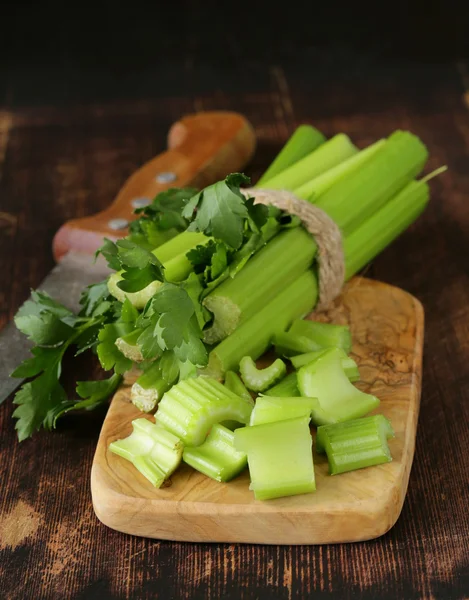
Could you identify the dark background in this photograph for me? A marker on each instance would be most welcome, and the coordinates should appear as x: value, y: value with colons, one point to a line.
x: 87, y: 94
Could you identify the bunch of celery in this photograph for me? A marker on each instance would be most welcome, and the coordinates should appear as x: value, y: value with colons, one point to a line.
x: 206, y: 278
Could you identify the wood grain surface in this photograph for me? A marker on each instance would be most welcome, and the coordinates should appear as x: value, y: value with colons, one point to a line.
x: 73, y: 126
x: 387, y: 332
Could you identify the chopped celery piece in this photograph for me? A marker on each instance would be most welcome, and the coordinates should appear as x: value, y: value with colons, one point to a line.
x: 280, y: 457
x: 155, y: 452
x: 288, y: 344
x: 253, y: 337
x: 339, y: 400
x: 190, y: 408
x: 348, y: 364
x: 379, y: 230
x: 328, y: 155
x: 354, y: 199
x: 326, y: 335
x: 127, y: 344
x: 280, y: 262
x: 233, y: 382
x: 259, y: 380
x: 216, y: 457
x: 304, y: 140
x: 149, y: 388
x: 355, y: 444
x: 268, y: 409
x: 320, y: 184
x: 287, y: 388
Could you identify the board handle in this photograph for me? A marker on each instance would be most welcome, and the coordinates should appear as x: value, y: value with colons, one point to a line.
x: 202, y: 148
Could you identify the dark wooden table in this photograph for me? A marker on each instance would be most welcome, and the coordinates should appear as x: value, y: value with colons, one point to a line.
x: 70, y: 134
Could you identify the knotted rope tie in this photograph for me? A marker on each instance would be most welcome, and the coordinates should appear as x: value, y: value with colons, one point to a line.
x: 325, y: 232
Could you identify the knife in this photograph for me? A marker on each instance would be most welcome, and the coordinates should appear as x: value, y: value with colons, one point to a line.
x: 202, y: 148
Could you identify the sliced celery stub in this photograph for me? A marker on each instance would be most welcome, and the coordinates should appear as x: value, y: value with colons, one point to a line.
x: 233, y: 383
x: 304, y: 140
x: 155, y: 452
x: 280, y: 457
x: 268, y: 272
x: 325, y: 335
x: 339, y: 400
x: 287, y: 388
x: 327, y: 156
x: 254, y: 336
x: 348, y: 364
x: 259, y: 380
x: 216, y: 457
x: 268, y: 409
x: 149, y: 388
x: 190, y: 408
x: 355, y: 444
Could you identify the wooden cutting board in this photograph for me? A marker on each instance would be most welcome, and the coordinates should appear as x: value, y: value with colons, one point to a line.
x: 387, y: 330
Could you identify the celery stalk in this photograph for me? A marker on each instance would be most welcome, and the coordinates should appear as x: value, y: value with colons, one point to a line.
x: 355, y: 444
x: 326, y: 335
x: 155, y: 452
x: 259, y: 380
x: 253, y: 337
x: 190, y: 408
x: 177, y: 266
x: 379, y: 230
x: 269, y: 271
x: 127, y: 344
x: 348, y: 364
x: 312, y: 189
x: 216, y: 457
x: 280, y: 457
x: 339, y: 400
x: 269, y: 409
x: 304, y: 140
x: 234, y: 384
x: 330, y: 154
x: 354, y: 199
x: 289, y: 344
x: 287, y: 388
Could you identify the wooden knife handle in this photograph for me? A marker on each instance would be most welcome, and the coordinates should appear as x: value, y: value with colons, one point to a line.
x: 202, y: 148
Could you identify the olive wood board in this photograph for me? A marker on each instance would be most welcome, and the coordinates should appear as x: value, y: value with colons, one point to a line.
x: 387, y: 327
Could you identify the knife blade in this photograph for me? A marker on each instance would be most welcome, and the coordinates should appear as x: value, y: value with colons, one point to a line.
x: 203, y: 148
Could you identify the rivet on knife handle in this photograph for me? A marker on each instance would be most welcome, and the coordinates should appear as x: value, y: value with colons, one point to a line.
x: 201, y: 149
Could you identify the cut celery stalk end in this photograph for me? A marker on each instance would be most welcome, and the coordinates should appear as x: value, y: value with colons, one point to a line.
x: 339, y: 400
x: 325, y: 335
x: 280, y: 457
x: 279, y: 263
x: 355, y: 444
x: 287, y: 344
x: 155, y: 452
x: 149, y: 388
x: 327, y: 156
x: 311, y: 190
x: 234, y: 384
x: 304, y: 140
x: 138, y: 299
x: 259, y: 380
x: 269, y: 409
x: 190, y: 408
x: 348, y: 364
x: 386, y: 224
x: 217, y: 457
x: 254, y: 336
x: 354, y: 199
x: 127, y: 344
x: 287, y: 388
